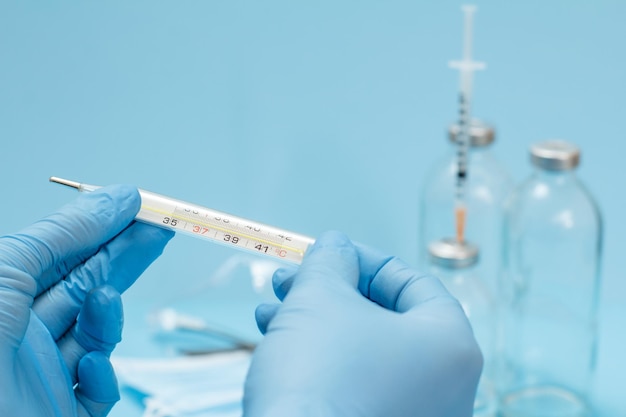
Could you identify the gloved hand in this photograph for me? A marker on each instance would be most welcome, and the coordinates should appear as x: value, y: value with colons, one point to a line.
x: 58, y: 319
x: 361, y: 334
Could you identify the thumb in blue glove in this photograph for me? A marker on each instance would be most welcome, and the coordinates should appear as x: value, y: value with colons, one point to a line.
x: 55, y: 332
x: 361, y: 334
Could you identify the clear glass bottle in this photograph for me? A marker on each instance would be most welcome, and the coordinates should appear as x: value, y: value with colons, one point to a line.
x: 553, y: 240
x: 487, y: 186
x: 455, y: 264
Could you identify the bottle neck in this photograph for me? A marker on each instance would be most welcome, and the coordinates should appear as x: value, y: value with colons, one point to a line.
x: 556, y: 177
x: 477, y: 153
x: 446, y: 271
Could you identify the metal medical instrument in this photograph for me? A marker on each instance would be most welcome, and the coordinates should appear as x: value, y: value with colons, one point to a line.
x: 170, y: 321
x: 466, y: 68
x: 213, y: 225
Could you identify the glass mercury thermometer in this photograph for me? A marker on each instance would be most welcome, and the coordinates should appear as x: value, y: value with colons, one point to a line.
x: 213, y: 225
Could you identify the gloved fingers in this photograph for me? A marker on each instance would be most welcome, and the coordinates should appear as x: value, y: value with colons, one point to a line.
x: 97, y: 390
x: 97, y: 329
x: 282, y: 280
x: 393, y: 284
x: 370, y: 262
x: 119, y: 263
x: 264, y: 314
x: 53, y: 275
x: 74, y: 232
x: 17, y: 290
x: 331, y: 263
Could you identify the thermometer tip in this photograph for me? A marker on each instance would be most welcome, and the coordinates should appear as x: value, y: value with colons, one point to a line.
x: 65, y: 182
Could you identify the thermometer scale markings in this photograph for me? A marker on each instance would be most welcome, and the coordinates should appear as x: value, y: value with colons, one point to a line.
x: 189, y: 219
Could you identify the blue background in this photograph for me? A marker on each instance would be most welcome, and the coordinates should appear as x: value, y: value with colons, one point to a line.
x: 307, y: 115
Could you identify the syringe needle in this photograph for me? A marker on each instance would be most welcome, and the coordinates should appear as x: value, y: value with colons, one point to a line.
x: 466, y: 68
x: 65, y: 182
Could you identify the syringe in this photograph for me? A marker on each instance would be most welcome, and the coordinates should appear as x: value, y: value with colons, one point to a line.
x: 213, y: 225
x: 466, y: 68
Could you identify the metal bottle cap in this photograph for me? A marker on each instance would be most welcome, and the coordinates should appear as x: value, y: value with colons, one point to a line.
x: 555, y: 155
x: 452, y: 254
x: 481, y: 133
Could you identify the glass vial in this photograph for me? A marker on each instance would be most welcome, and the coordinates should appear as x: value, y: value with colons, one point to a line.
x: 553, y: 239
x: 486, y: 187
x: 455, y: 264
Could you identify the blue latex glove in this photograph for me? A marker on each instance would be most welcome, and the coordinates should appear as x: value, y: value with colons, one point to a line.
x: 361, y: 334
x: 53, y: 360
